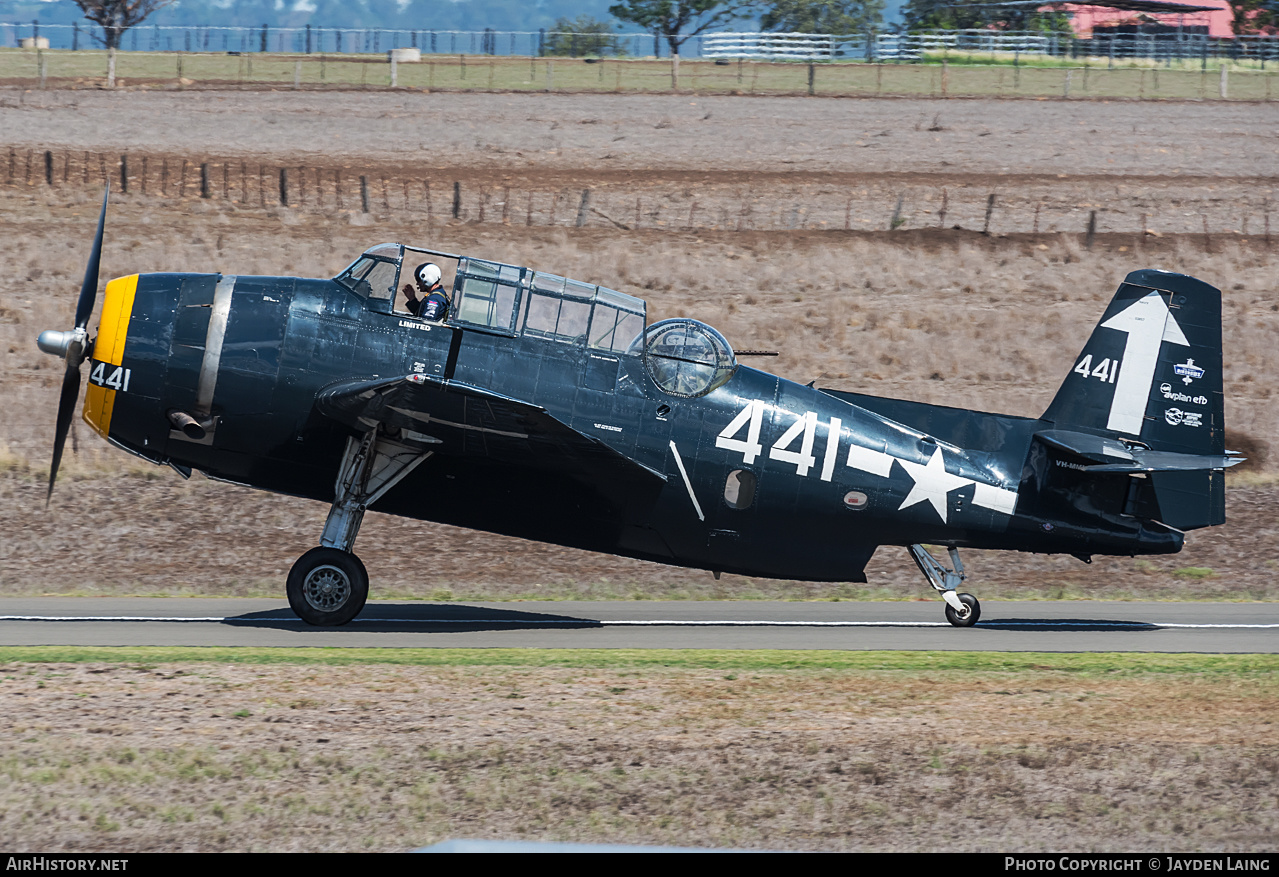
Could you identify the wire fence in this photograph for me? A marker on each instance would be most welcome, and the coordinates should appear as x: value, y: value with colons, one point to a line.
x: 1168, y: 45
x: 315, y: 40
x: 956, y: 77
x: 1155, y: 43
x: 390, y: 192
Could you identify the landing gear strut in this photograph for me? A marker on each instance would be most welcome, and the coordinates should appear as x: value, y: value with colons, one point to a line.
x: 962, y: 610
x: 328, y: 586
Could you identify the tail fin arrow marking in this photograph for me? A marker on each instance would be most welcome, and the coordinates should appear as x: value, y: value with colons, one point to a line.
x: 1148, y: 323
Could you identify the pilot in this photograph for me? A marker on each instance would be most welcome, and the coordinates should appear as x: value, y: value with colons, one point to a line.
x: 434, y: 304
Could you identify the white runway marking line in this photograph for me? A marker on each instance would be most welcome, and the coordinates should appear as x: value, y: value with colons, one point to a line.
x: 595, y: 622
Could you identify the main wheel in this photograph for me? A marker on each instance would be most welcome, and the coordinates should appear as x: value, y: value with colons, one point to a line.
x: 327, y: 587
x: 974, y: 612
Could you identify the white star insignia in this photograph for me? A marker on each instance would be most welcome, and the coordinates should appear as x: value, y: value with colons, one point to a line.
x: 932, y: 483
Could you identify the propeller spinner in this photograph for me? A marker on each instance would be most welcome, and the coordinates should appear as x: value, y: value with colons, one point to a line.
x: 74, y: 346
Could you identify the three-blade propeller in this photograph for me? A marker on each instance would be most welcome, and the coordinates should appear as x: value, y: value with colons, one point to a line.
x: 74, y: 346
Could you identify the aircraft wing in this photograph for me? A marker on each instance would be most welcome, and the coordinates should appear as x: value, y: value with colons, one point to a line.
x: 449, y: 417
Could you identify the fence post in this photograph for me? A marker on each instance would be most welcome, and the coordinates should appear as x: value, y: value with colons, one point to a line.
x: 394, y: 72
x: 457, y: 199
x: 284, y: 187
x: 364, y: 193
x: 1066, y: 87
x: 124, y: 174
x: 990, y: 208
x: 263, y: 49
x: 583, y: 208
x: 945, y: 78
x: 811, y: 74
x: 1092, y: 229
x: 204, y: 179
x: 111, y: 67
x: 41, y: 66
x: 48, y: 167
x: 1224, y: 89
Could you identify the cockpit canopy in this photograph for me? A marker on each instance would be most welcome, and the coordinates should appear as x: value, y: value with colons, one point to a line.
x: 684, y: 357
x: 507, y: 299
x: 374, y: 274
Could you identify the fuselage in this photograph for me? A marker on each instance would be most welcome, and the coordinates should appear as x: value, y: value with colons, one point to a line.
x: 763, y: 476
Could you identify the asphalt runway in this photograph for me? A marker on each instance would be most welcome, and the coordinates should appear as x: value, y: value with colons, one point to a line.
x: 1004, y: 626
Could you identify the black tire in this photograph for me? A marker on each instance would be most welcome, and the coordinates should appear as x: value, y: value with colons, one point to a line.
x: 327, y: 587
x: 974, y: 612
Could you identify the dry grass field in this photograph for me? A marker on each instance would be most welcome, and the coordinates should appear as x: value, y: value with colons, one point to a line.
x: 1093, y: 754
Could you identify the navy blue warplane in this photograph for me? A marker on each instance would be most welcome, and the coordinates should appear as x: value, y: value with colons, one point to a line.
x: 550, y: 409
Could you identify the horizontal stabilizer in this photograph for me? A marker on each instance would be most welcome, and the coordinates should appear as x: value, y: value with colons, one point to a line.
x: 1097, y: 453
x: 1183, y: 491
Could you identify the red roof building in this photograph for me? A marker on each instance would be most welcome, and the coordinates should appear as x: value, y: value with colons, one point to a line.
x: 1217, y: 20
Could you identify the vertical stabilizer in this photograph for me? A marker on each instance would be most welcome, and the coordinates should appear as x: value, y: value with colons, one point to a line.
x: 1151, y: 372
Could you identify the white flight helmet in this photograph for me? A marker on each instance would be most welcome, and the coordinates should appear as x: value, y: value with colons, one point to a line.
x: 428, y: 274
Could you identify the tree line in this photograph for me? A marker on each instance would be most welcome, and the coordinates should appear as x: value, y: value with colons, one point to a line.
x: 672, y: 22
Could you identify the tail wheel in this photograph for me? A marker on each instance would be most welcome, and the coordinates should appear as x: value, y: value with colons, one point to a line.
x: 327, y: 587
x: 968, y: 620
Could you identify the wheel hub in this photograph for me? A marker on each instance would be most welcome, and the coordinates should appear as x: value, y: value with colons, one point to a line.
x: 326, y: 588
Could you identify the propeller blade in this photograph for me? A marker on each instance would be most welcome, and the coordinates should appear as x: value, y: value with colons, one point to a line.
x: 89, y: 289
x: 73, y: 344
x: 66, y: 409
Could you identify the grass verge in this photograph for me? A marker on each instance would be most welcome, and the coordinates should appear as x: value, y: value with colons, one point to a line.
x: 1112, y: 664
